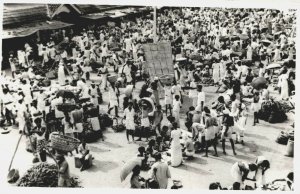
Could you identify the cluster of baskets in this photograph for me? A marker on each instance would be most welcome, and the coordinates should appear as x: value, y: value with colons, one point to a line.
x: 64, y: 143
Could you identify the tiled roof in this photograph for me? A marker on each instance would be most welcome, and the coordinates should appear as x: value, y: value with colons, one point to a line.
x: 52, y: 8
x: 16, y: 14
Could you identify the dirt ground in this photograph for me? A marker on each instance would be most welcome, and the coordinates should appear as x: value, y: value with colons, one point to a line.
x: 111, y: 154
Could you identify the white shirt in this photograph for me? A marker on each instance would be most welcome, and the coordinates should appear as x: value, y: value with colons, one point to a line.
x: 201, y: 97
x: 193, y: 92
x: 176, y: 105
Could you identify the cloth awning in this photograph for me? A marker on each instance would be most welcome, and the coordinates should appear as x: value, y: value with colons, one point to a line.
x: 95, y: 16
x: 129, y: 10
x: 115, y: 13
x: 28, y: 29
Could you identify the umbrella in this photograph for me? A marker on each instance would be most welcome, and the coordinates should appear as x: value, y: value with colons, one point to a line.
x: 180, y: 59
x: 147, y: 102
x: 116, y: 49
x: 234, y: 38
x: 223, y: 38
x: 65, y: 94
x: 273, y: 66
x: 266, y: 42
x: 259, y: 83
x: 264, y: 29
x: 243, y: 36
x: 237, y: 53
x: 128, y: 166
x: 178, y: 40
x: 260, y: 13
x: 66, y: 107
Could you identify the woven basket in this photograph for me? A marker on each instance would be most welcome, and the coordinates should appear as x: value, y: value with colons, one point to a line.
x: 66, y: 107
x: 64, y: 143
x: 166, y: 79
x: 112, y: 78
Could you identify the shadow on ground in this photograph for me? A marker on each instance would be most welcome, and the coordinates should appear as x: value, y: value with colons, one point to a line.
x: 103, y: 166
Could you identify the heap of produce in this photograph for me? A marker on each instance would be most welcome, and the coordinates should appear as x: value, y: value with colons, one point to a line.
x: 43, y: 175
x: 271, y: 111
x: 286, y: 106
x: 89, y: 134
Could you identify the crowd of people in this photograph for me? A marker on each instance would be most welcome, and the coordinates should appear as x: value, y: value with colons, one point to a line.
x: 228, y: 47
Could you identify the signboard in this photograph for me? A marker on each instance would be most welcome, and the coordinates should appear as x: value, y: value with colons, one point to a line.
x: 158, y: 59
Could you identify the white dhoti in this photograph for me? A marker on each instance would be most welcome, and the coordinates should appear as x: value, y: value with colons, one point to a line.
x: 260, y: 178
x: 78, y: 128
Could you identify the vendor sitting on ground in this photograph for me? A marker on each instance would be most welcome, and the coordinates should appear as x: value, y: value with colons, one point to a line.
x: 144, y: 156
x: 136, y: 181
x: 84, y: 154
x: 151, y: 148
x: 165, y: 134
x: 160, y: 145
x: 189, y: 149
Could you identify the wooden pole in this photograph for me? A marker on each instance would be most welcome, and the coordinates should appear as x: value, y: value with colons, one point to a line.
x: 154, y: 26
x: 13, y: 157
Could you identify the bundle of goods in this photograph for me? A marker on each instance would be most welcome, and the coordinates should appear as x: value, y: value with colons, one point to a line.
x: 118, y: 127
x: 89, y: 134
x: 271, y: 111
x: 177, y: 184
x: 112, y: 78
x: 146, y: 133
x: 286, y: 106
x: 63, y: 143
x: 105, y: 121
x: 66, y: 107
x: 276, y: 187
x: 95, y: 65
x: 52, y: 74
x: 43, y: 175
x: 196, y: 56
x: 166, y: 79
x: 92, y: 111
x: 67, y: 94
x: 207, y: 81
x: 224, y: 38
x: 176, y: 50
x: 39, y: 71
x: 84, y: 100
x: 284, y: 137
x: 44, y: 83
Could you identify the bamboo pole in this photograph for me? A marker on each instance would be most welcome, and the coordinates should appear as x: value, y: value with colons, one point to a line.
x: 154, y: 25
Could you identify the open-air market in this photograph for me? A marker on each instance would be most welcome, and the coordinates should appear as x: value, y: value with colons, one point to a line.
x: 140, y: 97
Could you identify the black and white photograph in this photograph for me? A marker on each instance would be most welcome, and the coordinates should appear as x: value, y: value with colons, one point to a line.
x: 147, y: 97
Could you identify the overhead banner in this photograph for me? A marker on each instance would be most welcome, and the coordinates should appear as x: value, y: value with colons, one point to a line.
x: 158, y: 59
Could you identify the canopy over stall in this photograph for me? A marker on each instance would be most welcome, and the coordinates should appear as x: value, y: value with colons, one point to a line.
x: 21, y: 20
x: 31, y: 28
